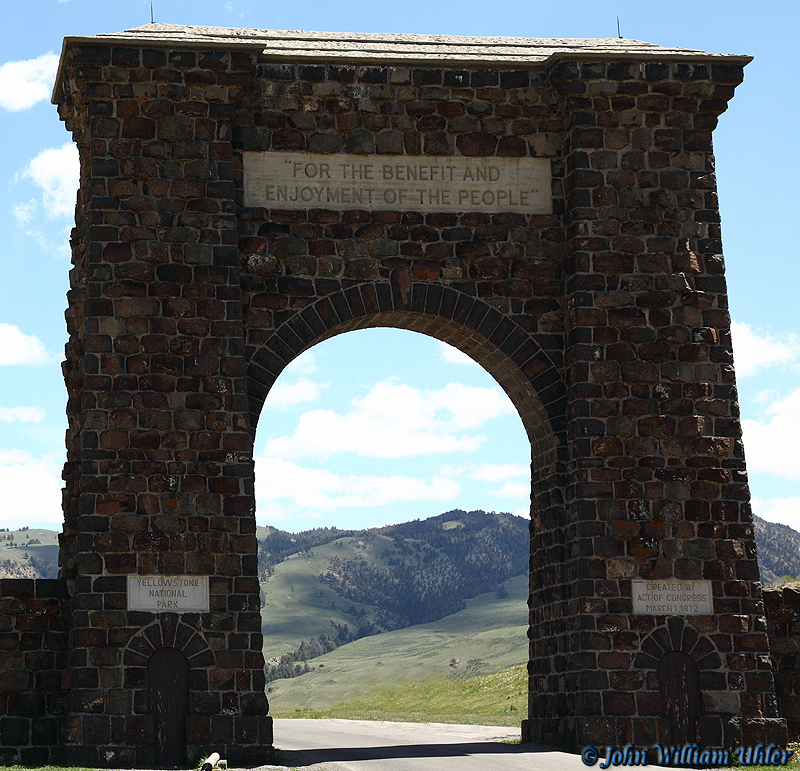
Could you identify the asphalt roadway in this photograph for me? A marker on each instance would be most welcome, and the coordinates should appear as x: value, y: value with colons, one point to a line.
x: 361, y: 745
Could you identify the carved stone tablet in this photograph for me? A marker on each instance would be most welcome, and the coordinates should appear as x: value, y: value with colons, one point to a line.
x: 397, y: 183
x: 671, y: 597
x: 168, y: 594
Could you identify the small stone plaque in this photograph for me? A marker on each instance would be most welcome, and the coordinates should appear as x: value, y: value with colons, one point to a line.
x: 168, y: 594
x: 671, y: 597
x: 283, y: 180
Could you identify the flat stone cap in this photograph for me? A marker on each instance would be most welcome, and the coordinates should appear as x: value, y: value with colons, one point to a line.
x: 400, y: 49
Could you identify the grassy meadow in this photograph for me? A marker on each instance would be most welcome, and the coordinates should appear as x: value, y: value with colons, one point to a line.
x: 466, y: 667
x: 41, y: 556
x: 499, y: 698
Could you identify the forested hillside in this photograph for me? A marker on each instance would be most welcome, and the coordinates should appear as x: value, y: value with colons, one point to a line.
x: 341, y: 586
x: 778, y: 551
x: 434, y: 565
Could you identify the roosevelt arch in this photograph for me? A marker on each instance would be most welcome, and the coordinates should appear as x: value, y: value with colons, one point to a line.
x: 186, y: 301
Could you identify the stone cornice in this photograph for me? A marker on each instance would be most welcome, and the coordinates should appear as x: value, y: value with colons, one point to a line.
x: 397, y: 49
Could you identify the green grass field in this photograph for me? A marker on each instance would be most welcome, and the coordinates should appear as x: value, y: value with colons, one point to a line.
x: 499, y: 698
x: 46, y: 551
x: 488, y: 636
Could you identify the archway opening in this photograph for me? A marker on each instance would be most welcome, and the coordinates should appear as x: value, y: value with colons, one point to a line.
x: 366, y: 429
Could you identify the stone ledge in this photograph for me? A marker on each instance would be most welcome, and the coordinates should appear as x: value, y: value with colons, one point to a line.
x: 404, y: 47
x: 396, y: 49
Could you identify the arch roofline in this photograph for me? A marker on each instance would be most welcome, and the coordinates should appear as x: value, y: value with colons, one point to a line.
x: 388, y: 49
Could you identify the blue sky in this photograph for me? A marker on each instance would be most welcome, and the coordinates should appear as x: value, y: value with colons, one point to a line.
x: 405, y: 427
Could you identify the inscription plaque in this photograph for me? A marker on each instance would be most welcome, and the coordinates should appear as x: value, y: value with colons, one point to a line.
x: 173, y: 594
x: 283, y: 180
x: 671, y: 597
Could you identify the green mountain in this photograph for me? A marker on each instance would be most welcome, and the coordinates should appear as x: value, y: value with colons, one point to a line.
x: 488, y: 635
x: 778, y: 551
x: 333, y: 589
x: 28, y: 553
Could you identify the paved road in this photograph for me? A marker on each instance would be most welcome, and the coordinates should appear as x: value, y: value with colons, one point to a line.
x: 361, y: 745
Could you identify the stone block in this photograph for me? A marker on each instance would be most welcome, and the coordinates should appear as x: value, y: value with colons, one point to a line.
x: 721, y: 703
x: 14, y: 731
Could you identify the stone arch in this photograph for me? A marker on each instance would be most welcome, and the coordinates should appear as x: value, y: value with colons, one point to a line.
x: 614, y: 344
x: 514, y: 357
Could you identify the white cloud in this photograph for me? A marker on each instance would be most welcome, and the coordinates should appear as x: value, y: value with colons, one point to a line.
x: 471, y: 406
x: 19, y: 348
x: 23, y: 212
x: 21, y: 414
x: 52, y: 242
x: 771, y: 444
x: 282, y: 482
x: 24, y: 83
x: 284, y: 395
x: 395, y: 420
x: 784, y: 511
x: 754, y: 349
x: 766, y: 396
x: 31, y: 488
x: 243, y: 11
x: 56, y: 172
x: 493, y: 472
x: 453, y: 356
x: 514, y: 490
x: 304, y: 364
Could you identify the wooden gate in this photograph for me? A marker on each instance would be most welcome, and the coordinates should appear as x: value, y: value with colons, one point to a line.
x: 168, y: 701
x: 679, y: 682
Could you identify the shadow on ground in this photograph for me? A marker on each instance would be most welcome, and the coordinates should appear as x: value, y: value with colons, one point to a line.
x: 302, y: 758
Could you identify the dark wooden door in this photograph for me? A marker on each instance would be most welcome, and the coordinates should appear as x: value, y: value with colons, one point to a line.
x: 679, y: 682
x: 168, y: 699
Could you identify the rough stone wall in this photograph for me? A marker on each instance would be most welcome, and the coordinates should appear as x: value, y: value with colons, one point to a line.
x: 606, y: 322
x: 657, y: 481
x: 159, y: 468
x: 783, y: 625
x: 34, y: 626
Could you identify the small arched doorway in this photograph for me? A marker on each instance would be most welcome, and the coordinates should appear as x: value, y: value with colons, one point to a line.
x: 168, y: 703
x: 679, y: 684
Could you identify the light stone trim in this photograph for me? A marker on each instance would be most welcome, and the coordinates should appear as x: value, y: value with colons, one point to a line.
x: 368, y: 45
x: 386, y: 49
x: 342, y: 182
x: 168, y: 594
x: 672, y: 597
